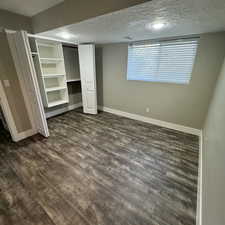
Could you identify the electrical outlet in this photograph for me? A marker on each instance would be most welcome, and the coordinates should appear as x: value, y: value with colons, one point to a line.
x: 147, y: 110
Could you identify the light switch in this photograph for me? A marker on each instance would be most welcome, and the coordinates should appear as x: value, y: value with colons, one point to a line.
x: 6, y: 83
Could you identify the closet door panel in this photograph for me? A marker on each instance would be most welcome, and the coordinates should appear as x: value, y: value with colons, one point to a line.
x: 88, y: 78
x: 26, y: 72
x: 91, y: 100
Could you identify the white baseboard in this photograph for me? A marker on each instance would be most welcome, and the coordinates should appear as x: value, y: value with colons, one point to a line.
x: 63, y: 110
x: 161, y: 123
x: 200, y: 183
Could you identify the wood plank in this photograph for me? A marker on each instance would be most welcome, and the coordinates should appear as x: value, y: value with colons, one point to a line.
x: 16, y: 203
x: 102, y: 170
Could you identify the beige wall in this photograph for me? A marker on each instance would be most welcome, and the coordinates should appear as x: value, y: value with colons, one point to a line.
x: 13, y: 93
x: 71, y: 11
x: 181, y: 104
x: 214, y: 157
x: 14, y: 21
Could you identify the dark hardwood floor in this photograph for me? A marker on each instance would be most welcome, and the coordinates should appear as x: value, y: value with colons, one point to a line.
x: 99, y: 170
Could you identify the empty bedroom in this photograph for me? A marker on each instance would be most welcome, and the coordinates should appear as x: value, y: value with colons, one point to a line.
x: 112, y: 112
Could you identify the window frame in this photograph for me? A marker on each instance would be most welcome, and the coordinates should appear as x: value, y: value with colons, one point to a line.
x: 161, y: 43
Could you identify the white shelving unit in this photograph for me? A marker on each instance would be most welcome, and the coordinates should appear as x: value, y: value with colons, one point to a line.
x: 52, y: 75
x: 58, y: 73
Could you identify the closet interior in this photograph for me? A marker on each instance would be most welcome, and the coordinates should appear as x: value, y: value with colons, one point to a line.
x: 58, y: 73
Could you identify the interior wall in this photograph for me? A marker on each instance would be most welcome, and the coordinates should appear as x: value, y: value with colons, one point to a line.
x: 180, y: 104
x: 70, y: 11
x: 14, y: 21
x: 13, y: 93
x: 214, y: 157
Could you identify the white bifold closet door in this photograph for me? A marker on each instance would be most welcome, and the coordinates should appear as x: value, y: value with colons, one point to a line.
x: 20, y: 49
x: 88, y: 77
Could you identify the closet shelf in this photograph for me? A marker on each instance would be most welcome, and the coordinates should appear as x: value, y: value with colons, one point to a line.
x: 53, y: 75
x: 50, y: 60
x: 55, y: 103
x: 46, y: 45
x: 73, y: 80
x: 55, y: 89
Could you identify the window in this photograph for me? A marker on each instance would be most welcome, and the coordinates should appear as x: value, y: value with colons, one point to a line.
x: 167, y: 61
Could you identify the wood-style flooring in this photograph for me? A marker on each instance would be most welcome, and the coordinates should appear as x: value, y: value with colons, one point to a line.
x: 99, y: 170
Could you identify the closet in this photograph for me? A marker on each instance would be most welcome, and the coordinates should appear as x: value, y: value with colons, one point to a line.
x: 54, y: 77
x: 58, y: 69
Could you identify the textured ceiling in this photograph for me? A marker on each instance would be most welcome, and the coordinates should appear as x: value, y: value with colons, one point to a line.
x: 27, y: 7
x: 182, y: 17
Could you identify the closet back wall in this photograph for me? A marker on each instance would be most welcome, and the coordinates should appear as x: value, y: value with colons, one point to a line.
x: 180, y: 104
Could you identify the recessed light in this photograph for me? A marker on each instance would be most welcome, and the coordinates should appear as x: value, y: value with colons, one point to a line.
x: 65, y: 35
x: 156, y: 25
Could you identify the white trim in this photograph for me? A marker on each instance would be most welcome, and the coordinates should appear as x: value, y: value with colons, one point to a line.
x: 161, y: 123
x: 63, y: 110
x: 200, y: 182
x: 50, y: 39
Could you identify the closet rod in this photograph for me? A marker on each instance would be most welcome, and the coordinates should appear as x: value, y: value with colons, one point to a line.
x: 50, y: 39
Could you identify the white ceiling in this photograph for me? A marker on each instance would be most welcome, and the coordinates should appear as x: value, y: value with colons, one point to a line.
x: 27, y: 7
x: 182, y: 17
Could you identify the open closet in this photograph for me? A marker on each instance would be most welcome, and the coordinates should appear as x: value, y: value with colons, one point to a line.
x: 58, y: 72
x: 55, y: 77
x: 66, y: 75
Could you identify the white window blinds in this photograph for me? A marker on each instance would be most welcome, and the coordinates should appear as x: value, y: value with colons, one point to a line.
x: 168, y: 61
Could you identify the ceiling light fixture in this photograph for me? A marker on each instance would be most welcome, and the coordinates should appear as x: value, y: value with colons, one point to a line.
x: 66, y: 35
x: 158, y: 25
x: 155, y: 25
